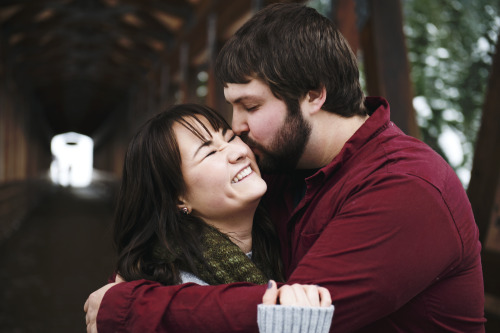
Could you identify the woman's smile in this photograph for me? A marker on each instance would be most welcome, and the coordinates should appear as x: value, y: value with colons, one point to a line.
x: 242, y: 174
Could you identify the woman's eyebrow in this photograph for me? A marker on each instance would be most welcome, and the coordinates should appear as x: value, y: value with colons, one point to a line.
x: 207, y: 143
x: 203, y: 145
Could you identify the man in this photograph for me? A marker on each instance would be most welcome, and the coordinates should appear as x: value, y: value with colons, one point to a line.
x: 375, y: 216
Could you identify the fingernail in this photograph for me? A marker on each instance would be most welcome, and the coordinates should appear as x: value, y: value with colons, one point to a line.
x: 269, y: 284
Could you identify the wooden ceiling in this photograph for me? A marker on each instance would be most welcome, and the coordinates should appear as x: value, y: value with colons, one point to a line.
x: 78, y: 61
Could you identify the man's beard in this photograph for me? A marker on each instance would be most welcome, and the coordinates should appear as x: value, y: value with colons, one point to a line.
x: 286, y: 147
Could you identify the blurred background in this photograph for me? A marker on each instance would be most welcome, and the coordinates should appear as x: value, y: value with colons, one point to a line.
x: 77, y: 78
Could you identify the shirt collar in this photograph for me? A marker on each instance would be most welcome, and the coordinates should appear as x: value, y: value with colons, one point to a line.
x: 379, y: 111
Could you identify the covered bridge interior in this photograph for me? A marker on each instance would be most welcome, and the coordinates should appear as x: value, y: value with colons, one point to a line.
x: 102, y: 67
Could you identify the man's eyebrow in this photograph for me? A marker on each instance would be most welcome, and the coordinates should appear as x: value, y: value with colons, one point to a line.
x: 242, y: 99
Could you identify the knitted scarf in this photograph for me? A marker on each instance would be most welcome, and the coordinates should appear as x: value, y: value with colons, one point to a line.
x: 225, y: 260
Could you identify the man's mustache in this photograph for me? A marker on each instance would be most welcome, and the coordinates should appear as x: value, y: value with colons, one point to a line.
x: 251, y: 143
x: 253, y: 146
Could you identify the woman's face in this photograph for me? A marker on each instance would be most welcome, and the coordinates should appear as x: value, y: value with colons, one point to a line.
x: 221, y: 175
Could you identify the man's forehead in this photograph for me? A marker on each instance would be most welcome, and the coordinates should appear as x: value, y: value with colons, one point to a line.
x: 239, y: 92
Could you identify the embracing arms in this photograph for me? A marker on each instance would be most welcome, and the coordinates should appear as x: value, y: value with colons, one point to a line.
x: 373, y: 258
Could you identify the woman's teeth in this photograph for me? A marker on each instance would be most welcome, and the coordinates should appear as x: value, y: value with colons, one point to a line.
x: 243, y: 173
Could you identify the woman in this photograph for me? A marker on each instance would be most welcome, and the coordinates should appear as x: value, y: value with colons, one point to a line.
x: 188, y: 210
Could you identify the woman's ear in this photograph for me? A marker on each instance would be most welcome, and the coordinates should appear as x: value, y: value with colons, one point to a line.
x: 183, y: 206
x: 315, y: 99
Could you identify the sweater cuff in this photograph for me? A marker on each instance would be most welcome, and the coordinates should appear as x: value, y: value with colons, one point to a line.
x: 279, y: 318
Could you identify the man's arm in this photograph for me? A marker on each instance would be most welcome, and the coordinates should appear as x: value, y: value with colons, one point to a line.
x: 309, y: 310
x: 146, y: 306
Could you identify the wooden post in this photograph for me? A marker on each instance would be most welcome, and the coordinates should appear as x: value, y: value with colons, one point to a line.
x: 485, y: 174
x: 164, y: 86
x: 183, y: 70
x: 386, y: 62
x: 211, y: 49
x: 484, y: 187
x: 344, y: 16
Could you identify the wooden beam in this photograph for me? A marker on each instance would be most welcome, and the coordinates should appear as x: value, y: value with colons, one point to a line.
x: 184, y: 72
x: 485, y: 175
x: 386, y: 63
x: 344, y: 16
x: 196, y: 35
x: 211, y: 99
x: 491, y: 272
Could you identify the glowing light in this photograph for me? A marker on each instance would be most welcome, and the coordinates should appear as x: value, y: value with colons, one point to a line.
x: 73, y: 160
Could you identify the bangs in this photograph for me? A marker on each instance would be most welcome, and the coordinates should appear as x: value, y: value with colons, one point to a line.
x: 202, y: 135
x: 201, y: 131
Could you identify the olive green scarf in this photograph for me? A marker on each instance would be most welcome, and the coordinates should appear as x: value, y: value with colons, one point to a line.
x: 225, y: 259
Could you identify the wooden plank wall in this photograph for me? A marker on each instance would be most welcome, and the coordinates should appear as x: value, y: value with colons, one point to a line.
x: 24, y: 160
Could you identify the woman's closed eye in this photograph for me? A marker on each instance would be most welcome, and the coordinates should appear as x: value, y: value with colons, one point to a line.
x: 213, y: 151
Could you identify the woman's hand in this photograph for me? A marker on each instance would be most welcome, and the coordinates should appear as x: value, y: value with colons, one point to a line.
x: 297, y: 294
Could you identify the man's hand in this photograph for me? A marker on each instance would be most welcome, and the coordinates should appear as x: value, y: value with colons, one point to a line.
x: 93, y: 303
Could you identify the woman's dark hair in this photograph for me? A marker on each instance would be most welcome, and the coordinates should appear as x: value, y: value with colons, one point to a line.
x: 294, y: 49
x: 147, y: 214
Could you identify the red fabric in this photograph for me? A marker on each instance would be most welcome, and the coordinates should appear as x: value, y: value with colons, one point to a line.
x: 386, y: 227
x: 145, y: 306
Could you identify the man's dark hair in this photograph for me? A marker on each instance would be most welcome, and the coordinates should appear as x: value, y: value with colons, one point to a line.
x: 294, y: 49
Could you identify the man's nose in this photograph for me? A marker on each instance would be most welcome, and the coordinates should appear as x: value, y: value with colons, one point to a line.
x: 239, y: 122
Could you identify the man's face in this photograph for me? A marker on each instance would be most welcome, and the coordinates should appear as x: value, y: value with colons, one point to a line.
x: 264, y: 122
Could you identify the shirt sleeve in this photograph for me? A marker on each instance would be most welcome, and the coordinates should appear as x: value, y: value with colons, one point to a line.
x: 146, y: 306
x: 297, y: 319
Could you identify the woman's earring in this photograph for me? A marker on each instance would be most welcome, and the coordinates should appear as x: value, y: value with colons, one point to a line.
x: 185, y: 211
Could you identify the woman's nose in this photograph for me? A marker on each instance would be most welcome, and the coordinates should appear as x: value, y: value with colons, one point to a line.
x: 236, y: 152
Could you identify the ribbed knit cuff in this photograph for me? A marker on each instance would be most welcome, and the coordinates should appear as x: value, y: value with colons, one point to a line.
x: 294, y: 319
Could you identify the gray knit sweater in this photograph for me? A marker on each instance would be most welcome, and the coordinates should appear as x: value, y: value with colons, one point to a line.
x: 294, y: 319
